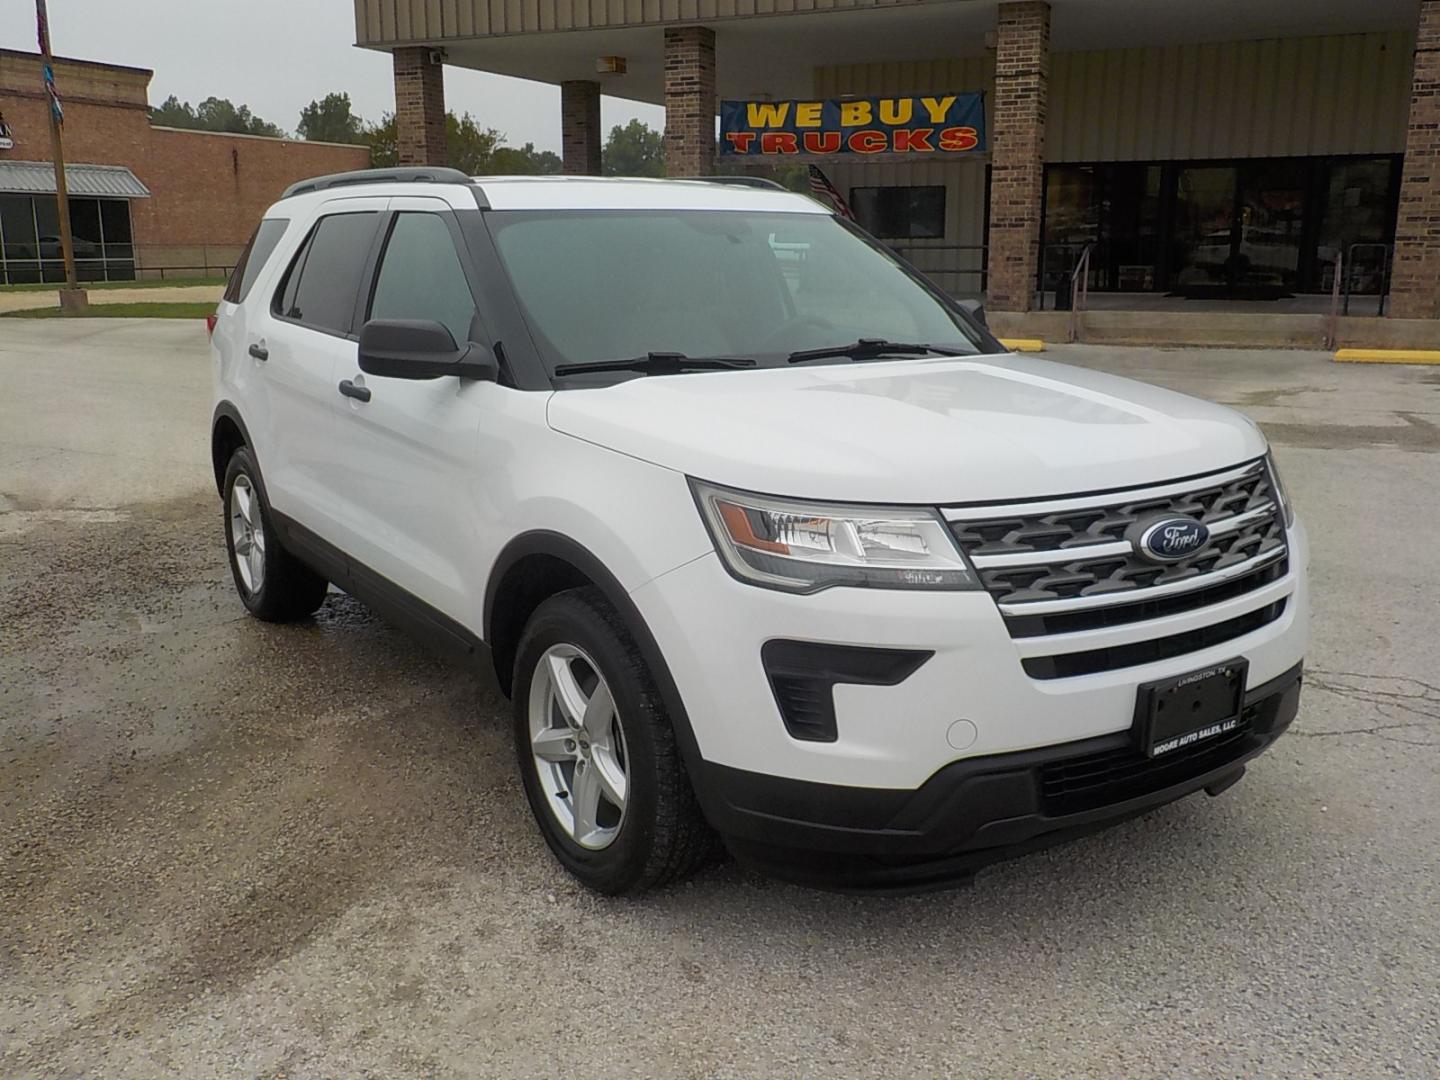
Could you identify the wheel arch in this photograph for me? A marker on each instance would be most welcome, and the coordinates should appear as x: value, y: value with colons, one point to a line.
x: 227, y: 434
x: 539, y: 564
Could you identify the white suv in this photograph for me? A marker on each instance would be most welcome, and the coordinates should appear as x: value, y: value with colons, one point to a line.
x: 764, y: 535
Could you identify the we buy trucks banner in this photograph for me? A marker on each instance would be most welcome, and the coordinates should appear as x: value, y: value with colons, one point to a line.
x: 938, y: 125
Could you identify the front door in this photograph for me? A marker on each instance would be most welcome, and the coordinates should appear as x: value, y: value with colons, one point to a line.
x: 406, y: 479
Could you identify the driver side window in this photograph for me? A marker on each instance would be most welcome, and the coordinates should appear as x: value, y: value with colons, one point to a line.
x: 421, y: 276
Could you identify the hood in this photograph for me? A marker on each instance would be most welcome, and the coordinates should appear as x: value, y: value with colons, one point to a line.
x: 940, y: 430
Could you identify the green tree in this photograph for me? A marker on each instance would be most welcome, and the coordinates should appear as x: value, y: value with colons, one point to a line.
x: 384, y: 148
x: 525, y: 161
x: 331, y: 119
x: 469, y: 146
x: 636, y: 149
x: 213, y: 114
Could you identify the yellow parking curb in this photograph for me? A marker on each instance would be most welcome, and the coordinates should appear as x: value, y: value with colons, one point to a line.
x: 1388, y: 356
x: 1031, y: 344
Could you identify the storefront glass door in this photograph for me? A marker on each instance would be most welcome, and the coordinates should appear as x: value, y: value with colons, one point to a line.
x: 1202, y: 236
x: 1272, y: 217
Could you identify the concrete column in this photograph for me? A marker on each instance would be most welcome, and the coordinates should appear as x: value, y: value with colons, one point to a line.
x: 1415, y: 284
x: 420, y: 107
x: 580, y: 126
x: 1017, y: 174
x: 690, y: 106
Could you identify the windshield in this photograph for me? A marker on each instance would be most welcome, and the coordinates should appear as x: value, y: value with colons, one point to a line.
x: 599, y: 285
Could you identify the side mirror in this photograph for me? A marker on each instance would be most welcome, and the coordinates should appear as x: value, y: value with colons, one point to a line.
x: 420, y: 349
x: 976, y: 308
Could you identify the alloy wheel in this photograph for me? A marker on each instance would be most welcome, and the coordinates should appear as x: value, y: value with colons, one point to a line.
x: 247, y: 534
x: 578, y: 745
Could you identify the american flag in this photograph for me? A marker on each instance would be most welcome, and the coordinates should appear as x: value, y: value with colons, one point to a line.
x: 822, y: 188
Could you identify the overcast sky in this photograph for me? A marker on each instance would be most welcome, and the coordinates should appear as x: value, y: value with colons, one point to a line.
x: 277, y: 56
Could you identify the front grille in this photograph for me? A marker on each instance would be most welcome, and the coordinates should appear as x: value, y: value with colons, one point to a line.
x: 1134, y: 653
x: 1077, y: 551
x: 1067, y: 565
x: 1074, y: 785
x: 1099, y: 618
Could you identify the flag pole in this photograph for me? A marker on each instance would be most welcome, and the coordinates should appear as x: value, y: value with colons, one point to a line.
x: 72, y: 298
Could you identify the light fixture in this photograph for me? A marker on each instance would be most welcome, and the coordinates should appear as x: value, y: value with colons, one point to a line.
x: 610, y: 65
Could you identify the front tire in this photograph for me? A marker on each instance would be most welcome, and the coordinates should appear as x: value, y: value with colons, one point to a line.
x: 273, y: 584
x: 597, y: 752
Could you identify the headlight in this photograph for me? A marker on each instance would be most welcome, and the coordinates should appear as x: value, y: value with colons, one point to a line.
x: 1279, y: 489
x: 805, y: 547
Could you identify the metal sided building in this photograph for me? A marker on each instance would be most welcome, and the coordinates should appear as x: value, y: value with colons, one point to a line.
x: 1197, y: 148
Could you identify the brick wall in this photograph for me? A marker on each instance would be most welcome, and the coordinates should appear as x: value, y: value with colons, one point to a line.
x: 1415, y: 288
x: 207, y: 190
x: 690, y: 107
x: 1022, y: 71
x: 580, y: 126
x: 419, y: 108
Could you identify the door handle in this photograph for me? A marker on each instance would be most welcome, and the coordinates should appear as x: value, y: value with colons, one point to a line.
x: 259, y: 352
x: 350, y: 390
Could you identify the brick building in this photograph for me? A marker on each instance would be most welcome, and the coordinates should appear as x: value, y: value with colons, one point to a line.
x: 142, y: 197
x: 1204, y: 149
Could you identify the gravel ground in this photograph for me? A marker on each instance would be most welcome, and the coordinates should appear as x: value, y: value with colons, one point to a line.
x: 232, y: 849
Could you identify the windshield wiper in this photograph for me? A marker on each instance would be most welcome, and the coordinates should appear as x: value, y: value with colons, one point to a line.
x: 869, y: 349
x: 659, y: 363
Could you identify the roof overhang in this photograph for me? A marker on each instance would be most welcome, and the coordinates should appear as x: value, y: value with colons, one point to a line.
x: 776, y: 54
x: 38, y: 178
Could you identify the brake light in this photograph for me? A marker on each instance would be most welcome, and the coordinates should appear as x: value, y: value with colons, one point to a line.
x: 210, y: 321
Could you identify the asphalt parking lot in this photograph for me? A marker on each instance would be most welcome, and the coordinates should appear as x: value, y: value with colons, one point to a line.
x: 233, y: 849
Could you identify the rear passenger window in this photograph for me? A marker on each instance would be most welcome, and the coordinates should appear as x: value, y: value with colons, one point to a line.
x: 320, y: 287
x: 421, y: 277
x: 257, y: 253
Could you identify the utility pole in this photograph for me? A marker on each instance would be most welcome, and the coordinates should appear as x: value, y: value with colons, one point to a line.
x: 72, y: 298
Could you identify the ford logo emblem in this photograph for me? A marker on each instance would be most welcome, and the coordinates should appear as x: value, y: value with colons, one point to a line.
x: 1171, y: 539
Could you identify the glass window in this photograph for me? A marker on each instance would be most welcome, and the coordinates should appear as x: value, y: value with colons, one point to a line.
x: 601, y: 285
x: 115, y: 218
x: 85, y: 224
x: 421, y: 277
x: 47, y: 224
x: 253, y: 258
x: 17, y: 227
x: 1357, y: 210
x: 900, y: 213
x: 321, y: 285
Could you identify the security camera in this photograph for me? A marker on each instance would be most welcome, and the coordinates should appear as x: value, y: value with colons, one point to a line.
x: 437, y: 56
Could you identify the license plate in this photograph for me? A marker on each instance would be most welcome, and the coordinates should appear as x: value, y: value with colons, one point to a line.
x: 1176, y: 713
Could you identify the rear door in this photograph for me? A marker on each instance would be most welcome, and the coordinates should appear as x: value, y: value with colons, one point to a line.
x: 407, y: 477
x: 307, y: 333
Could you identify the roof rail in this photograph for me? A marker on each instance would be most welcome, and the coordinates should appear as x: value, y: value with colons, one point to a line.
x: 744, y: 181
x: 428, y: 175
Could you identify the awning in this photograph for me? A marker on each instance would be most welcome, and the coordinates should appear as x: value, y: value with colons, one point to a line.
x: 38, y: 178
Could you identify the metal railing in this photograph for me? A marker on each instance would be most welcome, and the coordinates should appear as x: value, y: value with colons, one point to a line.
x: 1332, y: 320
x: 1079, y: 290
x: 1353, y: 265
x: 941, y: 262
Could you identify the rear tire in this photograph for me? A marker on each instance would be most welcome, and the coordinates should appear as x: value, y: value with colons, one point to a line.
x: 273, y: 584
x: 597, y: 752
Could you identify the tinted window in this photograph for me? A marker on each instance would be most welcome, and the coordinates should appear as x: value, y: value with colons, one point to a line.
x: 252, y: 260
x: 903, y: 213
x: 602, y: 285
x: 322, y: 282
x: 421, y: 276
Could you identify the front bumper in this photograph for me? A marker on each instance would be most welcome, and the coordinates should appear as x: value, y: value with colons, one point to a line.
x: 975, y: 811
